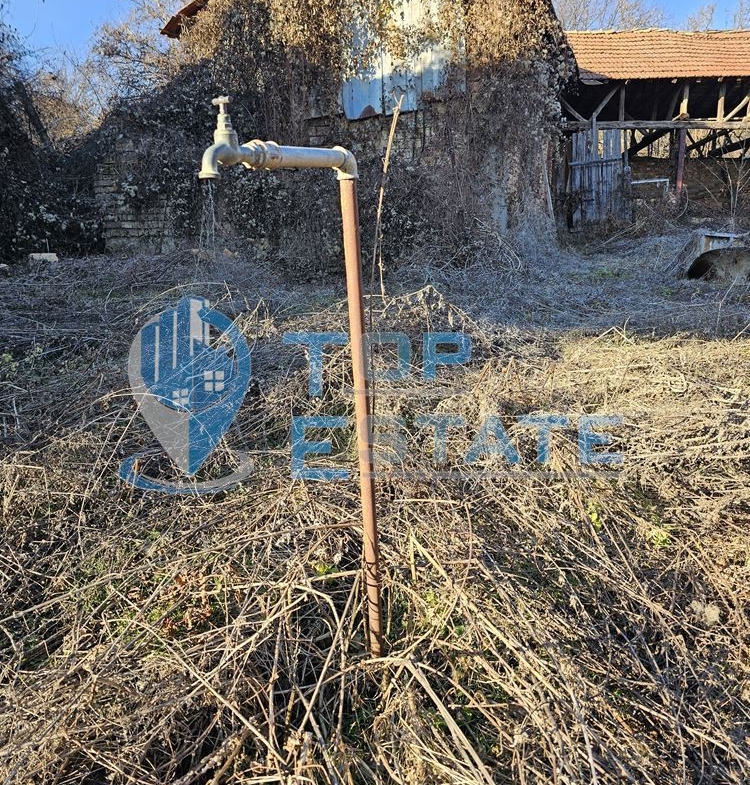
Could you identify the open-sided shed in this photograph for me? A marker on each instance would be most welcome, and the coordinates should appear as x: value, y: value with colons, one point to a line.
x: 638, y: 89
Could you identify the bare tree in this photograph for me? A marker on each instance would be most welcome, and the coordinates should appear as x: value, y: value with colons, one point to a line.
x: 741, y: 15
x: 64, y: 101
x: 703, y: 18
x: 609, y: 14
x: 130, y: 57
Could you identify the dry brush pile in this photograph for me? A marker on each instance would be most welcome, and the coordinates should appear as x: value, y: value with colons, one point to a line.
x: 545, y: 625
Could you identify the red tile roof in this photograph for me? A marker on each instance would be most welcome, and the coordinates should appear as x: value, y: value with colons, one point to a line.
x: 661, y: 54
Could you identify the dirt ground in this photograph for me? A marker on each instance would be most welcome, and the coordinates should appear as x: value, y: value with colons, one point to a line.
x: 552, y: 623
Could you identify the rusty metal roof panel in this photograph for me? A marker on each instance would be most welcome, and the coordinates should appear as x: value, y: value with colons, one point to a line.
x: 173, y: 28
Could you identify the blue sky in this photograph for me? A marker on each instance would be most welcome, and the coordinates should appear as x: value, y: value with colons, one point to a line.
x: 62, y: 24
x: 68, y: 24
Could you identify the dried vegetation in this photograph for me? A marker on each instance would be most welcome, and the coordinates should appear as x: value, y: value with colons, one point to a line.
x: 284, y: 65
x: 544, y: 625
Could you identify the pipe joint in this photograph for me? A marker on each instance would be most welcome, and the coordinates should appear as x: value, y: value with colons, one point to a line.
x: 348, y: 170
x: 261, y: 155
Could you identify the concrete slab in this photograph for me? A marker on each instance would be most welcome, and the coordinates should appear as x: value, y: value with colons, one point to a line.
x: 721, y: 256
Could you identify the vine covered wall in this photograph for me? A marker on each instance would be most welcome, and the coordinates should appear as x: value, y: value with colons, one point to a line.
x: 474, y: 156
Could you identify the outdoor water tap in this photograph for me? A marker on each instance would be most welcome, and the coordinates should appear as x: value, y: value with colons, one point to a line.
x: 226, y: 146
x: 227, y: 151
x: 269, y: 155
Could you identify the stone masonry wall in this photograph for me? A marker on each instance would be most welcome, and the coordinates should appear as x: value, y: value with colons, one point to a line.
x: 131, y: 225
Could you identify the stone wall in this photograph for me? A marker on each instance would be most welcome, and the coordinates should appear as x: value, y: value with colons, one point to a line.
x: 497, y: 187
x: 132, y: 223
x: 369, y: 136
x: 514, y: 190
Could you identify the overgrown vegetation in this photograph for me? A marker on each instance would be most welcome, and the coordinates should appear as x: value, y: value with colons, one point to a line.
x: 543, y: 623
x: 46, y: 190
x: 285, y: 64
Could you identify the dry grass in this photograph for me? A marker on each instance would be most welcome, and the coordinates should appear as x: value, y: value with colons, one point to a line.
x: 545, y: 625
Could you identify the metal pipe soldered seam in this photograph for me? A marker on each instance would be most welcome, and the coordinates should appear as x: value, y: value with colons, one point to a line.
x: 227, y: 151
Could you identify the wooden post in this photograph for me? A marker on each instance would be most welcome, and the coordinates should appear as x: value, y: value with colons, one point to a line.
x: 722, y: 99
x: 684, y: 103
x: 672, y: 105
x: 681, y: 162
x: 623, y: 134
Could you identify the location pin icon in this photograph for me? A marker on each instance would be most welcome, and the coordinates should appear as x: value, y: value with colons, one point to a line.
x: 188, y: 387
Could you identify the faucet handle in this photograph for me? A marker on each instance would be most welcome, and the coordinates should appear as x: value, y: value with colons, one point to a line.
x: 222, y: 102
x: 224, y: 133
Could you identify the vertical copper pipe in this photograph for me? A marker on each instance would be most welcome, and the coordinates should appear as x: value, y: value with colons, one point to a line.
x: 352, y: 260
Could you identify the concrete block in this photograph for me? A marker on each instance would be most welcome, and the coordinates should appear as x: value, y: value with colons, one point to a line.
x: 43, y: 257
x: 714, y: 255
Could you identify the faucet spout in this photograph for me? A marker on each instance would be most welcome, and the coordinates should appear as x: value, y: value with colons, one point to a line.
x: 221, y: 153
x: 226, y: 147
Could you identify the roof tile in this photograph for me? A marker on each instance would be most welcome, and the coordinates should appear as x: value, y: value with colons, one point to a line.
x: 661, y: 54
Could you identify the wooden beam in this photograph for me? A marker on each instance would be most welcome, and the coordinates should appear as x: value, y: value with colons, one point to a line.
x: 712, y: 137
x: 607, y: 98
x: 646, y: 141
x: 622, y: 104
x: 569, y: 108
x: 680, y: 179
x: 737, y: 109
x: 720, y: 152
x: 722, y: 99
x: 653, y: 125
x: 673, y: 104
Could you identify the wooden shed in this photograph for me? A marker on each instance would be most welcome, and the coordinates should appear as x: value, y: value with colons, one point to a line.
x: 645, y: 97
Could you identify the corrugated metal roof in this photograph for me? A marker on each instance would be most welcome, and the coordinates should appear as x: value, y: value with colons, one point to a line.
x: 661, y: 54
x: 378, y: 91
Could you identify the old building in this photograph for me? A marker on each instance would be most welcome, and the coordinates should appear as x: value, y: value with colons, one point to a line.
x: 653, y: 109
x: 479, y: 120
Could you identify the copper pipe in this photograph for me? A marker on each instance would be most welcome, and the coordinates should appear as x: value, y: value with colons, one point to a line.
x: 352, y: 260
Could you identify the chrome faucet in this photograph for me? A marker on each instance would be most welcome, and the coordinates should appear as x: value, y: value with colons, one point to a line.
x: 227, y: 150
